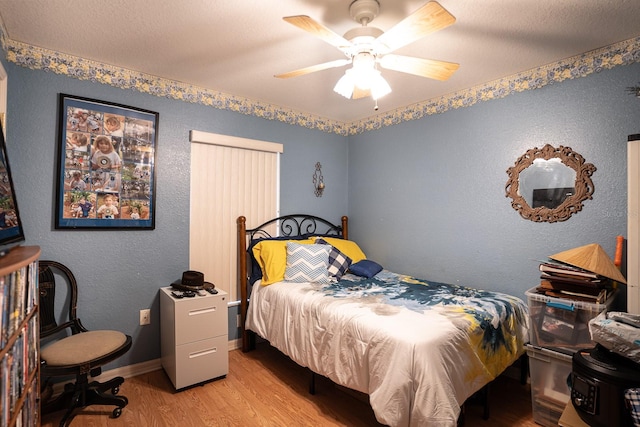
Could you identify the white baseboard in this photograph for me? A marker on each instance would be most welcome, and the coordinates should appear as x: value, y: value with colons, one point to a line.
x: 144, y: 367
x: 123, y: 371
x: 130, y: 370
x: 135, y: 369
x: 235, y: 344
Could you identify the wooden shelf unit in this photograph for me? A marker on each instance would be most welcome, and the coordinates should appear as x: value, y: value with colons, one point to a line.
x: 19, y: 338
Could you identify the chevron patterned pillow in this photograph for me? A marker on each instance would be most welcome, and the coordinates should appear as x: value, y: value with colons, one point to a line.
x: 307, y: 263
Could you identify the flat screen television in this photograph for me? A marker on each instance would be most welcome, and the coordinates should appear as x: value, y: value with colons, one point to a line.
x: 551, y: 198
x: 11, y: 232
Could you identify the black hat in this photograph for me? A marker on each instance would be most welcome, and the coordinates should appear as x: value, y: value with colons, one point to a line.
x: 191, y: 281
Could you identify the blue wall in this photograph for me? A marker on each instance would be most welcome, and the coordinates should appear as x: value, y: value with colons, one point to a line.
x: 120, y: 272
x: 427, y: 197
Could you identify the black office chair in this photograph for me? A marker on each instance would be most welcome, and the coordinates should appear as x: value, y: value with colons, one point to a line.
x: 69, y: 349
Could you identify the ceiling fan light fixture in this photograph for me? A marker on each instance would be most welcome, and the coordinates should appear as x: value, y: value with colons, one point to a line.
x: 366, y: 80
x: 364, y: 70
x: 364, y: 76
x: 367, y: 47
x: 379, y: 87
x: 345, y: 85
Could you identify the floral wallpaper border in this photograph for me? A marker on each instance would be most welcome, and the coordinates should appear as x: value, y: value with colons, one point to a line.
x: 36, y: 58
x: 622, y: 53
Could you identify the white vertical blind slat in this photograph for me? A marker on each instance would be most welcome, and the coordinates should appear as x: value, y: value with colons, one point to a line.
x: 227, y: 182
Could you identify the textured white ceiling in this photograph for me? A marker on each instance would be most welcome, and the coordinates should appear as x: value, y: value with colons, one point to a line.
x: 236, y: 47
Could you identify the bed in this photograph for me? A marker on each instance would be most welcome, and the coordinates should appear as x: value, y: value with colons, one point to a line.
x: 417, y: 348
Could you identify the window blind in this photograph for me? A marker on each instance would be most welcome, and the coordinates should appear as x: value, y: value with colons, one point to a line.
x: 230, y: 177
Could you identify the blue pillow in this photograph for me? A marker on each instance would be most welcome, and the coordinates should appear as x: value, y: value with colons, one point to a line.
x: 365, y: 268
x: 338, y: 262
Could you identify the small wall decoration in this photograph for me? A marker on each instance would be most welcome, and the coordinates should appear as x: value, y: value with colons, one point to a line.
x: 548, y: 166
x: 106, y: 165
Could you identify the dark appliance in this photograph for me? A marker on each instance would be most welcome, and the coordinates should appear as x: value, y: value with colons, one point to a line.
x: 598, y: 381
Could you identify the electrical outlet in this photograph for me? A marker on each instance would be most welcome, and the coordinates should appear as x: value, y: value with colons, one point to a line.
x: 145, y: 316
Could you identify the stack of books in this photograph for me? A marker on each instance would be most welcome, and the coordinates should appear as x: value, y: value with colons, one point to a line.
x: 561, y: 280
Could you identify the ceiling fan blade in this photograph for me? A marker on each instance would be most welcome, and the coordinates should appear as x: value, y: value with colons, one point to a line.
x: 439, y: 70
x: 317, y: 29
x: 360, y: 93
x: 314, y: 68
x: 429, y: 18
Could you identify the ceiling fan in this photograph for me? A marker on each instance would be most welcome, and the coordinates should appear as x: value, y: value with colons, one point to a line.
x: 367, y: 47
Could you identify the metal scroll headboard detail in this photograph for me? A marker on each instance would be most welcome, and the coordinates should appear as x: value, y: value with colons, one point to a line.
x: 284, y: 226
x: 295, y: 225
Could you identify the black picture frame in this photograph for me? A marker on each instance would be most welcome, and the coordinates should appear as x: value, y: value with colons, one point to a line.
x: 11, y: 230
x: 112, y: 188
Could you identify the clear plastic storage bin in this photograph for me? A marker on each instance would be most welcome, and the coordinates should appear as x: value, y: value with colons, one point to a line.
x: 560, y: 322
x: 550, y: 393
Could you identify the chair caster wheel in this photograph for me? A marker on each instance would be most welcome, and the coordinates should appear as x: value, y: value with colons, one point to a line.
x: 117, y: 412
x: 115, y: 390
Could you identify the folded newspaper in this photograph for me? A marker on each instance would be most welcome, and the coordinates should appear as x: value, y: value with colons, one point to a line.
x: 619, y: 332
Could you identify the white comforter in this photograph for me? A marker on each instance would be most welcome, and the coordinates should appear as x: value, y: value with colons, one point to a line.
x: 418, y: 363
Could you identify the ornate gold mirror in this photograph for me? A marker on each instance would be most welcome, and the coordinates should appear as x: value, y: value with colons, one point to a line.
x: 549, y: 184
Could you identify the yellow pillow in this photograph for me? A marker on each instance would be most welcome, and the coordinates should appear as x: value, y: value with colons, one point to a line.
x: 347, y: 247
x: 272, y: 257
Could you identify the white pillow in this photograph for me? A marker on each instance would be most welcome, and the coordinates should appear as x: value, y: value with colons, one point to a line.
x: 307, y: 263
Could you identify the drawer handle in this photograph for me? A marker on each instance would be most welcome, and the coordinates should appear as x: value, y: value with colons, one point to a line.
x: 203, y: 352
x: 201, y: 311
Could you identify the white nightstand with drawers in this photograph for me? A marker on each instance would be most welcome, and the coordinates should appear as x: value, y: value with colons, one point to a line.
x: 194, y: 337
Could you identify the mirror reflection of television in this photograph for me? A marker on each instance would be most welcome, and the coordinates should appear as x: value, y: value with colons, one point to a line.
x: 11, y: 232
x: 551, y: 197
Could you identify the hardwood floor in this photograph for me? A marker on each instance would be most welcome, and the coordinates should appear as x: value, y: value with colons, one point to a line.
x: 265, y: 388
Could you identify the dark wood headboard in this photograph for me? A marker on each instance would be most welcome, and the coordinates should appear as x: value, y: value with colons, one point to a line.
x: 285, y: 226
